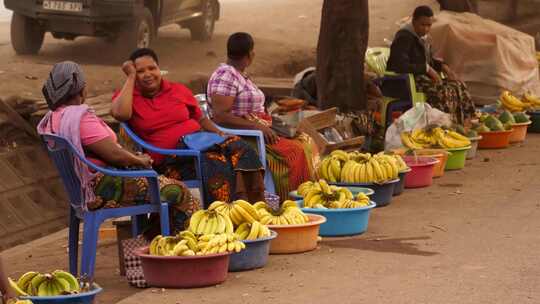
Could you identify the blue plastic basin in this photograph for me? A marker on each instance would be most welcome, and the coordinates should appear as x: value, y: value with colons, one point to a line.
x: 354, y: 190
x: 254, y: 256
x: 342, y: 222
x: 383, y: 192
x: 400, y: 186
x: 82, y: 298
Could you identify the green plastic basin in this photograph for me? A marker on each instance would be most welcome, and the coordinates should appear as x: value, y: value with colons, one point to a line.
x: 456, y: 159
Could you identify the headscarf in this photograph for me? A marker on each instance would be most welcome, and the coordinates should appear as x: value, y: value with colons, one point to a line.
x: 66, y: 79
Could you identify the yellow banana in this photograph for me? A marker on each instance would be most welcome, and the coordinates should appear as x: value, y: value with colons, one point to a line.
x: 248, y: 208
x: 255, y: 227
x: 246, y: 217
x: 195, y: 220
x: 72, y: 280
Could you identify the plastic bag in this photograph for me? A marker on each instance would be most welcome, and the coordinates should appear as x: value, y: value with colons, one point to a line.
x: 421, y: 115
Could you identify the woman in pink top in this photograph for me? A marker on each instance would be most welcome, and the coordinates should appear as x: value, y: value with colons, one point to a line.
x: 65, y: 92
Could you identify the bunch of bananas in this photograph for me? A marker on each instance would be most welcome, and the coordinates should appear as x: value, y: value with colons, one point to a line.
x: 368, y: 169
x: 434, y: 137
x: 356, y: 167
x: 288, y: 214
x: 186, y: 243
x: 238, y: 211
x: 331, y: 166
x: 513, y: 104
x: 531, y: 99
x: 210, y: 222
x: 332, y: 197
x: 253, y: 231
x: 38, y: 284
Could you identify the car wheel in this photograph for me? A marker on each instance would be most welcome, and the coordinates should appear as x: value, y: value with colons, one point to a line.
x: 138, y: 34
x: 202, y: 28
x: 26, y: 35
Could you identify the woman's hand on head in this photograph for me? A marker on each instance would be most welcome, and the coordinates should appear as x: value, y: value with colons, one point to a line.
x: 129, y: 68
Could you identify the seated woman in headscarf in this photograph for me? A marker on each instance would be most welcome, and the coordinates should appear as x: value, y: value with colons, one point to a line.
x: 411, y: 53
x: 236, y: 102
x: 162, y: 113
x: 70, y: 118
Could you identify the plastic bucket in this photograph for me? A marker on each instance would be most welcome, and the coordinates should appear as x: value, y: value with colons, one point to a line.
x: 534, y: 116
x: 456, y: 159
x: 183, y: 271
x: 471, y: 153
x: 343, y: 222
x: 82, y: 298
x: 421, y: 174
x: 254, y: 256
x: 296, y: 238
x: 495, y: 139
x: 400, y: 186
x: 354, y: 190
x: 519, y: 132
x: 383, y: 192
x: 440, y: 154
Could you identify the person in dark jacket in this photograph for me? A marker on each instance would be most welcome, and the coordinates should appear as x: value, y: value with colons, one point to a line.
x: 411, y: 53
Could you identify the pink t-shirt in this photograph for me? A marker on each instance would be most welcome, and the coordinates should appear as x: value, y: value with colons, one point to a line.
x: 92, y: 129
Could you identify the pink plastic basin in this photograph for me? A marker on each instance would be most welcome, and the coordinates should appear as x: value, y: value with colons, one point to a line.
x: 421, y: 174
x: 184, y: 271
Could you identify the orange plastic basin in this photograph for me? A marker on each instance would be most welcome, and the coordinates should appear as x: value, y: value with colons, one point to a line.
x: 296, y: 238
x: 520, y: 132
x: 495, y: 139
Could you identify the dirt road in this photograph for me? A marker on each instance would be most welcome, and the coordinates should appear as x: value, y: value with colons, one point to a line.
x: 286, y: 33
x: 471, y: 238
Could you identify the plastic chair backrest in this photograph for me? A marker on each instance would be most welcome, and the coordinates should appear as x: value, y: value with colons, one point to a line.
x: 203, y: 104
x: 376, y: 59
x: 63, y: 153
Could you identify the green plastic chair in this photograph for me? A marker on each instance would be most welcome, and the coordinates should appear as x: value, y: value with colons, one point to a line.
x: 376, y: 60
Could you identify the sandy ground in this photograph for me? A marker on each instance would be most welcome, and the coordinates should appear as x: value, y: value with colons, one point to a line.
x: 472, y: 237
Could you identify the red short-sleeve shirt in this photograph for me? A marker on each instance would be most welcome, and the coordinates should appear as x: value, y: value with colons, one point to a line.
x: 165, y: 118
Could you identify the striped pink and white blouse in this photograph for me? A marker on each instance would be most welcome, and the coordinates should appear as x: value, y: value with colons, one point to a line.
x: 228, y: 81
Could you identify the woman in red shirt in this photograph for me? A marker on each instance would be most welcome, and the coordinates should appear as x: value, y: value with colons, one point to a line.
x: 162, y: 112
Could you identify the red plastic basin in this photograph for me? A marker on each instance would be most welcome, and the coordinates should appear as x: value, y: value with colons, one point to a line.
x: 183, y: 272
x: 421, y: 174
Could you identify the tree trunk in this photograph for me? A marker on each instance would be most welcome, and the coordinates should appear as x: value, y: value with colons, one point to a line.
x: 457, y: 5
x: 342, y: 46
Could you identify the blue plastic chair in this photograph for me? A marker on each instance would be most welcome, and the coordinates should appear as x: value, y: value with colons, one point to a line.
x: 141, y: 145
x: 63, y: 153
x: 256, y: 134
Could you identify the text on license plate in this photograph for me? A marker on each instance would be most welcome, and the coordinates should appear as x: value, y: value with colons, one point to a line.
x: 63, y: 6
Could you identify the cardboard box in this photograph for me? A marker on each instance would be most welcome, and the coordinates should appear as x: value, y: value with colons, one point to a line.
x: 325, y: 119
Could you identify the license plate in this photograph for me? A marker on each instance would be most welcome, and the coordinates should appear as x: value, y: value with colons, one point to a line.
x: 63, y: 6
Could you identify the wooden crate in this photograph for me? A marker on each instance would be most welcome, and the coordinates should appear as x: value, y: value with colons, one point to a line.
x: 313, y: 124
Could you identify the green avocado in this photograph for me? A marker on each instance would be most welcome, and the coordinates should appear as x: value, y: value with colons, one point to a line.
x: 482, y: 128
x: 506, y: 116
x: 521, y: 117
x: 493, y: 123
